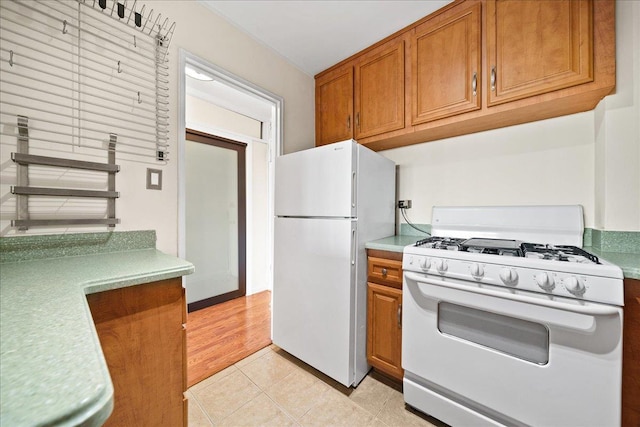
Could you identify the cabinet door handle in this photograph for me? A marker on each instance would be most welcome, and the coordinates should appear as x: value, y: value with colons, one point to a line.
x: 384, y: 272
x: 349, y: 122
x: 358, y: 120
x: 474, y: 84
x: 399, y: 316
x: 493, y: 78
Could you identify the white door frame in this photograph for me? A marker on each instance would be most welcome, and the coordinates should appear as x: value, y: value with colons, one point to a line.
x: 274, y: 140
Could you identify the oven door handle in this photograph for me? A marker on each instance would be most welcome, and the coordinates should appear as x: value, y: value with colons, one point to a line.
x: 591, y: 310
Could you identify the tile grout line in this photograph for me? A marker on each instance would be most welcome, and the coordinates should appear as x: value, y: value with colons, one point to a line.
x: 206, y: 414
x: 271, y: 353
x: 264, y: 391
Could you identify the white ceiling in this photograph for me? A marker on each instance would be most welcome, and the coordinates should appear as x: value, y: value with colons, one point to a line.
x: 316, y: 34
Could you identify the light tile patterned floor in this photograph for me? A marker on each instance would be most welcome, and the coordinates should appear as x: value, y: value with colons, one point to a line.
x: 271, y: 388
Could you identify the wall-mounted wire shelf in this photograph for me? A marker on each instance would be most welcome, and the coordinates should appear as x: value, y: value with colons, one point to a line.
x: 23, y: 159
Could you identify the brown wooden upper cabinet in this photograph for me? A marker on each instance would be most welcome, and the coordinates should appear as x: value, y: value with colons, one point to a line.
x: 471, y: 66
x: 537, y: 46
x: 446, y: 64
x: 379, y: 90
x: 365, y: 97
x: 334, y: 106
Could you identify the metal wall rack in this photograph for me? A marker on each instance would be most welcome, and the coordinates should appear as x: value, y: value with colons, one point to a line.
x: 23, y: 159
x: 79, y: 76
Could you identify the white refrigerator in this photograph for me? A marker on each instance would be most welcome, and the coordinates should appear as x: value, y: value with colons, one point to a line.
x: 329, y: 201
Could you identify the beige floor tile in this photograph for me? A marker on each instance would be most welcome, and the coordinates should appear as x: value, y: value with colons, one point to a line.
x: 371, y: 394
x: 225, y: 395
x: 297, y: 393
x: 335, y: 409
x: 260, y: 411
x: 393, y: 413
x: 258, y: 354
x: 197, y: 418
x: 268, y: 369
x: 213, y: 378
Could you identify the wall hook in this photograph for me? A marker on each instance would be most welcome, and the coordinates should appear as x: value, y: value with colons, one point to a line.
x: 138, y: 17
x: 139, y: 98
x: 64, y: 27
x: 11, y: 58
x: 119, y: 68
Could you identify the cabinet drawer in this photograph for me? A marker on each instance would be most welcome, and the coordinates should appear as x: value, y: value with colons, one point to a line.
x: 385, y: 271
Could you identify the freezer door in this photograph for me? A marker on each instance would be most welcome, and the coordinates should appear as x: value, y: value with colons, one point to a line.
x: 319, y: 182
x: 313, y: 293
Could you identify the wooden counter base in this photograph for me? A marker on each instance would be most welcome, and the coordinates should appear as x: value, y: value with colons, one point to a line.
x: 143, y: 340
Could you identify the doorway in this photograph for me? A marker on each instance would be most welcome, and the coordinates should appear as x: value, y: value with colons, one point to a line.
x: 215, y: 219
x: 220, y: 104
x: 257, y: 121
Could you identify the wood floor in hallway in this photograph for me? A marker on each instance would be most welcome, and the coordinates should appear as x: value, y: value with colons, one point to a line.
x: 223, y: 334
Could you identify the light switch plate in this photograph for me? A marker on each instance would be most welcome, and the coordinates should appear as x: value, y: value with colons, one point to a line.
x: 154, y: 179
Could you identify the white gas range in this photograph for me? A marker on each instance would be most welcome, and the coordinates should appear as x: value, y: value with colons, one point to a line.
x: 507, y: 321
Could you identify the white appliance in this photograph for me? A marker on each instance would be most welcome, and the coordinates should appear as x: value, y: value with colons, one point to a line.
x: 497, y: 331
x: 329, y: 201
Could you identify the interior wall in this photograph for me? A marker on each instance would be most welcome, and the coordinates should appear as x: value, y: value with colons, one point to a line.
x: 200, y: 113
x: 590, y: 158
x: 207, y: 35
x: 260, y: 251
x: 545, y: 162
x: 617, y: 167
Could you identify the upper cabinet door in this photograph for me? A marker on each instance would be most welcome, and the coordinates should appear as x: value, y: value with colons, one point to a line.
x: 379, y: 90
x: 537, y: 46
x: 446, y: 64
x: 334, y: 106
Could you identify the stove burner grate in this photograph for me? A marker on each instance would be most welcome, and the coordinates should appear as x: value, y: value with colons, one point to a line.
x: 558, y: 252
x: 513, y: 248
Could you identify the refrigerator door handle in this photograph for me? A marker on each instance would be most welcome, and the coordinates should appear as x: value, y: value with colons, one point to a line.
x: 353, y: 189
x: 353, y: 247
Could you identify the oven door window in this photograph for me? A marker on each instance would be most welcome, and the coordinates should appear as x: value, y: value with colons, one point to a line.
x: 516, y: 337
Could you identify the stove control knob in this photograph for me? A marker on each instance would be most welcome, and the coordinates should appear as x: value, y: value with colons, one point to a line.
x: 477, y: 271
x: 509, y: 276
x: 574, y: 286
x: 545, y: 281
x: 425, y: 264
x: 441, y: 266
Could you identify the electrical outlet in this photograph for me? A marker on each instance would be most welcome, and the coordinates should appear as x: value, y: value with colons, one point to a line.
x: 404, y: 204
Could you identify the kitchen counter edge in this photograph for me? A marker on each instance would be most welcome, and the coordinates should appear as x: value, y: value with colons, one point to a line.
x: 53, y: 368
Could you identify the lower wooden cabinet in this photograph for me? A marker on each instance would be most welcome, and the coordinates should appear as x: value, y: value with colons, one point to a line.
x: 384, y: 328
x: 384, y: 313
x: 631, y: 355
x: 141, y: 331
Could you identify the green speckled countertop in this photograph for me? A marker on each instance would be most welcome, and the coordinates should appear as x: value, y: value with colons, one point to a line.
x: 629, y: 262
x: 392, y: 243
x: 52, y: 368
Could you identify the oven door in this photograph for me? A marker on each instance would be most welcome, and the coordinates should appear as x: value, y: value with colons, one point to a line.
x: 489, y: 355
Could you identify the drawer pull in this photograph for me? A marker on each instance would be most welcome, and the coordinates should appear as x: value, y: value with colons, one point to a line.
x: 384, y: 272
